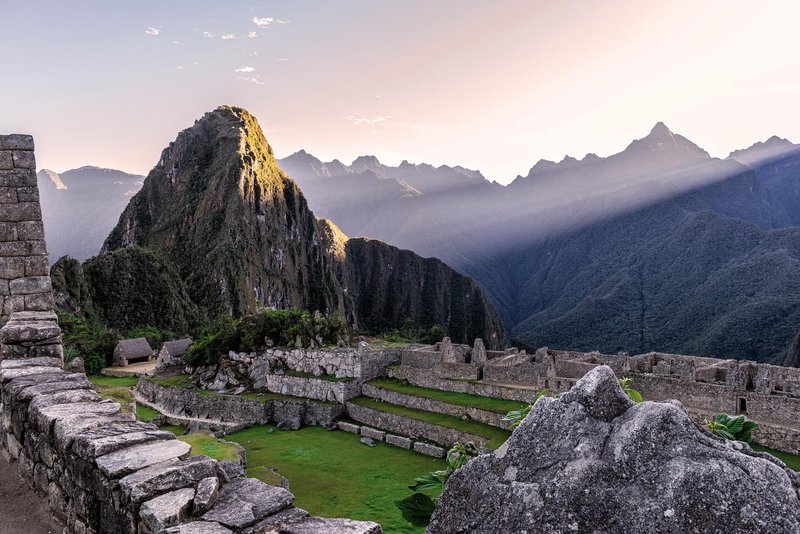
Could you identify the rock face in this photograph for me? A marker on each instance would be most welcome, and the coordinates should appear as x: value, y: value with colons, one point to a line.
x: 240, y: 235
x: 592, y: 461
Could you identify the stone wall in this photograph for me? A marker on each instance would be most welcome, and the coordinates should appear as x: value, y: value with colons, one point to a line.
x: 424, y: 378
x: 24, y: 270
x: 430, y: 405
x: 233, y: 409
x: 312, y: 388
x: 412, y: 428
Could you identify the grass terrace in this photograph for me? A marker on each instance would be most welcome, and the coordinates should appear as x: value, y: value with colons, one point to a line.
x: 489, y: 404
x: 332, y: 474
x: 496, y: 436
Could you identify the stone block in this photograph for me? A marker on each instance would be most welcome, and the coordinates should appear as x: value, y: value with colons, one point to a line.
x: 429, y: 450
x: 24, y: 159
x: 106, y: 439
x: 12, y: 267
x: 30, y: 230
x: 245, y: 501
x: 39, y: 302
x: 21, y: 211
x: 315, y: 525
x: 54, y: 351
x: 199, y: 527
x: 398, y: 441
x: 13, y: 248
x: 13, y: 352
x: 6, y: 160
x: 29, y: 331
x: 125, y: 461
x: 69, y: 397
x: 28, y: 194
x: 13, y: 304
x: 165, y: 511
x: 156, y: 479
x: 8, y: 231
x: 16, y: 142
x: 4, y: 290
x: 373, y: 433
x: 30, y: 284
x: 18, y: 178
x: 8, y: 195
x: 46, y: 418
x: 37, y: 266
x: 348, y: 427
x: 206, y: 495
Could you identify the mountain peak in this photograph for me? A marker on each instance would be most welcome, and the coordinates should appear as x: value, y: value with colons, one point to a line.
x: 660, y: 130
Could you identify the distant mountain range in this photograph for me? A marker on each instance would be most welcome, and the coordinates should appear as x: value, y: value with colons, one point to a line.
x: 81, y: 206
x: 658, y: 247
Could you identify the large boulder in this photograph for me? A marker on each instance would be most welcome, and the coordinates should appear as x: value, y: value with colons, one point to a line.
x: 593, y: 461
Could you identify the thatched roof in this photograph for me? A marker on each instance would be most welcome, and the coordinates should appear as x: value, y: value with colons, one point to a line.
x: 133, y: 348
x: 177, y: 347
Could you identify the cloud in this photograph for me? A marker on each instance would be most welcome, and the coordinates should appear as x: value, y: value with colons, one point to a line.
x: 265, y: 22
x: 152, y: 31
x: 252, y: 79
x: 228, y: 36
x: 283, y: 59
x: 245, y: 69
x: 252, y: 35
x: 367, y: 120
x: 209, y: 35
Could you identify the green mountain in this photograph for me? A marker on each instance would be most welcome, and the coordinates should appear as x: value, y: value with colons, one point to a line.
x: 238, y: 233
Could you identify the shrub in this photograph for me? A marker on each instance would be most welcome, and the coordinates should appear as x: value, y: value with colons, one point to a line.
x: 732, y: 428
x: 434, y: 334
x: 87, y: 339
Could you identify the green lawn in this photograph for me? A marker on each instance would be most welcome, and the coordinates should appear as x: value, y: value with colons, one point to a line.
x: 496, y: 435
x: 331, y: 474
x: 791, y: 460
x: 212, y: 447
x: 489, y: 404
x: 146, y: 413
x: 178, y: 430
x: 102, y: 380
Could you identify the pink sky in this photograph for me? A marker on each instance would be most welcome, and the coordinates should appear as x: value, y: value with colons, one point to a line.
x: 489, y: 85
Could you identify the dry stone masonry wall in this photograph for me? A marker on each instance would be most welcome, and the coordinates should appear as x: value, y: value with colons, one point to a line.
x: 24, y: 271
x: 100, y: 470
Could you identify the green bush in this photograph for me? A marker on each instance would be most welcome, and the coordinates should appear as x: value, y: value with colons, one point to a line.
x: 265, y: 329
x: 86, y: 339
x: 434, y: 334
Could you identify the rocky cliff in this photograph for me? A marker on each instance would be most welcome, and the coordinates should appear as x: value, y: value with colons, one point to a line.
x: 592, y: 461
x: 239, y: 232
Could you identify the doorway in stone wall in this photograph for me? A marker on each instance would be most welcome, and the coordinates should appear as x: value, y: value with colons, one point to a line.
x: 741, y: 406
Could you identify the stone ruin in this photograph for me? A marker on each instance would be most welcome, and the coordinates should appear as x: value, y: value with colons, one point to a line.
x: 593, y: 461
x: 99, y: 470
x: 767, y: 394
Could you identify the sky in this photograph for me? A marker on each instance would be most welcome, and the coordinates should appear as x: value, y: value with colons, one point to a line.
x: 493, y: 86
